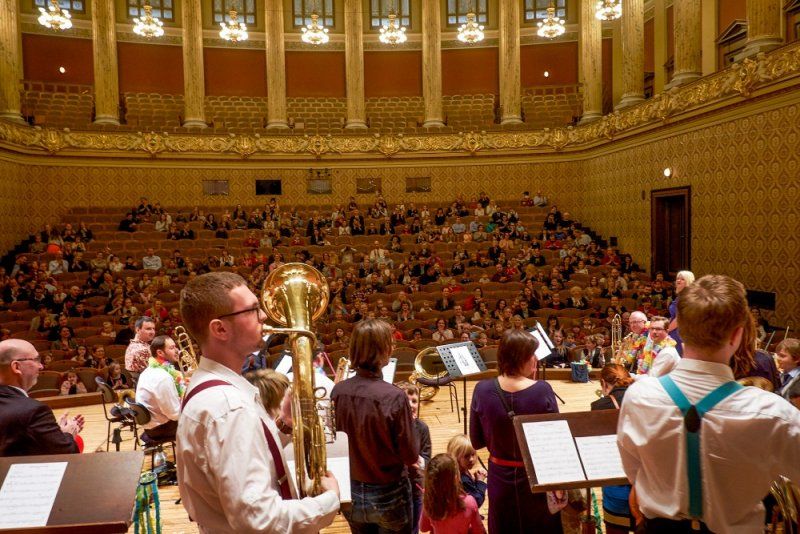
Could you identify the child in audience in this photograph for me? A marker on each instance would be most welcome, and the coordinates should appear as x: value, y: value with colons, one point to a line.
x: 424, y: 438
x: 446, y: 508
x: 474, y: 483
x: 116, y: 379
x: 72, y: 384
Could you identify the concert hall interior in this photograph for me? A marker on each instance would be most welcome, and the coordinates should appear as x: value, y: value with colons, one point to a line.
x: 459, y: 168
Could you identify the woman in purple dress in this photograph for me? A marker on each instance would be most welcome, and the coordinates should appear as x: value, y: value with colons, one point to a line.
x: 512, y: 505
x: 682, y: 279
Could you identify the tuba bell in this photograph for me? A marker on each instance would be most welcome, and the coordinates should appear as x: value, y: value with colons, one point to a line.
x: 187, y: 360
x: 427, y: 381
x: 294, y: 295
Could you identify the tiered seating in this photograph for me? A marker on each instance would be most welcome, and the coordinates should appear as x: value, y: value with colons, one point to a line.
x: 58, y: 105
x: 469, y: 111
x: 153, y: 111
x: 317, y: 115
x: 236, y: 113
x: 394, y: 114
x: 551, y: 107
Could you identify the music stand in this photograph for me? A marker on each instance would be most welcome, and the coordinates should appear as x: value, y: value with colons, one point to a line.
x: 567, y: 460
x: 544, y: 350
x: 462, y: 360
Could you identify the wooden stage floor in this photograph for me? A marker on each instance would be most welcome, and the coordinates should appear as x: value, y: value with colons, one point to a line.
x: 442, y: 422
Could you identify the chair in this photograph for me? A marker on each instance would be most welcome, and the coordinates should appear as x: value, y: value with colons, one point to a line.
x: 151, y: 445
x: 41, y: 393
x: 116, y: 414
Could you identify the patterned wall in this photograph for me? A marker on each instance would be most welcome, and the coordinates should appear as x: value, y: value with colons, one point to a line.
x: 743, y: 175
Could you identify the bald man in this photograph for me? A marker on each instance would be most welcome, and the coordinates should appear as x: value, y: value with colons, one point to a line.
x: 27, y: 426
x: 634, y: 342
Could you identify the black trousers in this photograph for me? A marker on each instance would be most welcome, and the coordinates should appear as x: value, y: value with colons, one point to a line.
x: 659, y: 525
x: 166, y: 431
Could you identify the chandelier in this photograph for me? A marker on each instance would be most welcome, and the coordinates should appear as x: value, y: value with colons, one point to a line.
x: 55, y: 18
x: 315, y: 33
x: 148, y: 26
x: 233, y: 30
x: 393, y: 33
x: 470, y: 32
x: 552, y: 26
x: 608, y: 10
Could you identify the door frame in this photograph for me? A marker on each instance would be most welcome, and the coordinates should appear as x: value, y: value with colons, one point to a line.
x: 657, y: 195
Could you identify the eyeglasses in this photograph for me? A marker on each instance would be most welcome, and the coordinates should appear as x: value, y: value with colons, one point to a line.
x: 37, y: 359
x: 255, y: 308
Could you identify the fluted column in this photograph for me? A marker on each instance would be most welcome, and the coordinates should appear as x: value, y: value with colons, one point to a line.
x: 709, y: 33
x: 632, y: 23
x: 432, y: 63
x: 688, y: 41
x: 354, y: 64
x: 276, y: 65
x: 764, y: 22
x: 194, y: 86
x: 660, y: 45
x: 10, y: 61
x: 509, y: 63
x: 591, y: 63
x: 106, y: 75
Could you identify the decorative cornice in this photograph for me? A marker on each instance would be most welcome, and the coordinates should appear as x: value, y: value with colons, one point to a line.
x: 779, y: 69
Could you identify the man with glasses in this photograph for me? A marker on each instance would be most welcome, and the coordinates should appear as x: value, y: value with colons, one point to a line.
x: 658, y: 356
x: 634, y: 342
x: 232, y: 474
x: 27, y: 426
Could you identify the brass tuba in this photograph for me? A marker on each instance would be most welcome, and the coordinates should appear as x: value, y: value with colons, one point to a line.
x: 616, y: 341
x: 428, y: 382
x: 294, y: 295
x: 187, y: 360
x: 342, y: 370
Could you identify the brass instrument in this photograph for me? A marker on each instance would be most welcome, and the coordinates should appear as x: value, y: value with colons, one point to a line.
x: 294, y: 295
x: 342, y: 370
x: 616, y: 340
x: 428, y: 382
x: 187, y: 358
x: 787, y: 496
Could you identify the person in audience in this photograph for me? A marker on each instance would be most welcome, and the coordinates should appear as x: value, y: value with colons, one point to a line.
x: 151, y: 261
x: 593, y: 351
x: 128, y: 224
x: 788, y: 356
x: 442, y: 333
x: 116, y: 378
x: 216, y: 485
x: 72, y: 384
x: 423, y: 435
x: 747, y: 436
x: 138, y: 352
x: 28, y: 427
x: 65, y: 341
x: 472, y: 480
x: 160, y: 388
x: 446, y: 508
x: 82, y: 358
x: 513, y: 508
x: 617, y: 517
x: 682, y: 280
x: 659, y: 355
x: 378, y: 419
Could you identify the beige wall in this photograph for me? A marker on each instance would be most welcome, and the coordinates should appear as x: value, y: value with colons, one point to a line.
x: 742, y: 170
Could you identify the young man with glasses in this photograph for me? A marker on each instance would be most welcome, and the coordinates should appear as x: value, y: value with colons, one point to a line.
x: 232, y: 474
x: 27, y: 426
x: 658, y: 356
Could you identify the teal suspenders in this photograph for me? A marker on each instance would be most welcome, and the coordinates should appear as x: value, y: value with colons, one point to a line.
x: 692, y: 417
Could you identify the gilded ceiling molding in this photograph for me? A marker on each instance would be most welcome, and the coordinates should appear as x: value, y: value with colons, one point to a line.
x: 780, y: 68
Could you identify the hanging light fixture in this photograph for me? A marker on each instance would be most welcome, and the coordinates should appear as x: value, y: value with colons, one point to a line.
x: 608, y: 10
x: 233, y: 30
x: 470, y: 32
x: 315, y: 33
x: 148, y: 26
x: 393, y: 33
x: 552, y: 26
x: 55, y: 18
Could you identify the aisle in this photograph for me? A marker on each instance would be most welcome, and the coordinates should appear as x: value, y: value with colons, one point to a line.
x: 442, y: 422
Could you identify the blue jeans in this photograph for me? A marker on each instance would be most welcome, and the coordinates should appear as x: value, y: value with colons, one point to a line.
x: 380, y: 509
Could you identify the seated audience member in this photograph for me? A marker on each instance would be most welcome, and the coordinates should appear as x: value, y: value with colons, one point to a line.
x: 116, y: 378
x: 559, y: 356
x: 617, y: 517
x: 442, y: 333
x: 658, y: 356
x: 272, y: 387
x: 423, y: 436
x: 160, y: 388
x: 377, y: 418
x: 128, y: 224
x: 593, y: 351
x: 28, y: 427
x: 446, y: 508
x: 473, y: 482
x: 65, y: 341
x: 788, y: 353
x: 72, y: 384
x: 745, y: 437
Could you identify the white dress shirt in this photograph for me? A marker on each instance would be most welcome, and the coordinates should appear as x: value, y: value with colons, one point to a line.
x: 156, y: 391
x: 228, y: 480
x: 664, y: 362
x: 747, y: 440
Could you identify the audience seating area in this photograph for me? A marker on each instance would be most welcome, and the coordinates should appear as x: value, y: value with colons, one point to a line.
x: 58, y: 106
x: 551, y: 107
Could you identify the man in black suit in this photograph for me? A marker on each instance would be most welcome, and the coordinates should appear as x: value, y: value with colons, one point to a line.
x: 27, y: 426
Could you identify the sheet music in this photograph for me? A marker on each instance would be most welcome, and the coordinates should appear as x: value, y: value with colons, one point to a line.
x: 464, y: 360
x: 340, y: 467
x: 28, y: 494
x: 389, y: 370
x: 555, y: 458
x: 544, y: 349
x: 600, y: 456
x: 284, y: 367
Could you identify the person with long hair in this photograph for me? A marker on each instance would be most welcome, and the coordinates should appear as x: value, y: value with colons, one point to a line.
x: 682, y: 280
x: 446, y: 508
x: 377, y: 418
x: 617, y: 517
x: 748, y: 361
x: 512, y: 505
x: 473, y: 482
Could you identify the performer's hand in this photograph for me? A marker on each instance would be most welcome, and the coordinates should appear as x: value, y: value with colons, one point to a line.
x: 329, y: 483
x: 286, y: 407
